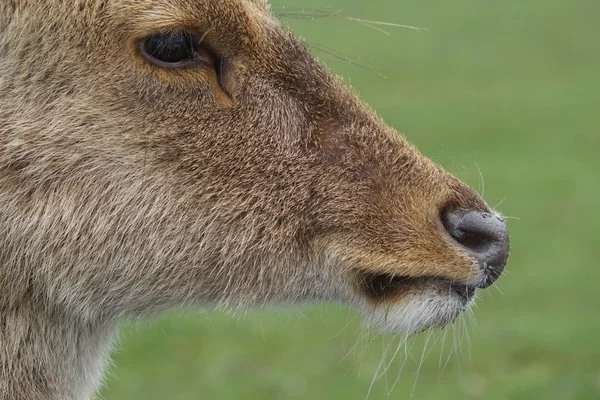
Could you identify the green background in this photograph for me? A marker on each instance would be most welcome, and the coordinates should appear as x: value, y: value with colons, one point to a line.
x: 507, y: 87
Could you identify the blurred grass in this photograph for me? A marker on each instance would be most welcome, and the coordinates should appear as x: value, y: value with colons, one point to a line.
x: 511, y: 88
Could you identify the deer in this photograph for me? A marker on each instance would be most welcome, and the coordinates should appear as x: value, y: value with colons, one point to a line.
x: 176, y: 153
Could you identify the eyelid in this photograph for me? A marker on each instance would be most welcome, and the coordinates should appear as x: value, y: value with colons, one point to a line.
x: 201, y: 54
x: 204, y: 56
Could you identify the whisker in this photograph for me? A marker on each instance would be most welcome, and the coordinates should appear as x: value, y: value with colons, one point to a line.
x: 316, y: 13
x: 406, y: 357
x: 385, y: 353
x: 382, y: 23
x: 351, y: 350
x: 499, y: 203
x: 335, y: 55
x: 375, y: 376
x: 467, y: 336
x: 336, y: 52
x: 472, y: 318
x: 442, y: 349
x: 396, y: 352
x: 453, y: 349
x: 420, y: 363
x: 401, y: 343
x: 498, y: 289
x: 344, y: 329
x: 506, y: 216
x: 312, y: 14
x: 481, y: 181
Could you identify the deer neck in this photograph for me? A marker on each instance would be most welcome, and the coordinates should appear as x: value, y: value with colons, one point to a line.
x: 45, y: 355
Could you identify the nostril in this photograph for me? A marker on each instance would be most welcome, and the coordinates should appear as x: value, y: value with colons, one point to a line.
x: 474, y: 230
x: 484, y: 235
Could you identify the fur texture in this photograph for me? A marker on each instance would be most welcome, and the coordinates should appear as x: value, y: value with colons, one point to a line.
x: 127, y: 189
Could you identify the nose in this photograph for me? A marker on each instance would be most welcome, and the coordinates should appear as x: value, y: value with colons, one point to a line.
x: 483, y: 235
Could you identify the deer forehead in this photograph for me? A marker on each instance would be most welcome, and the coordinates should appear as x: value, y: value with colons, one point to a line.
x: 215, y: 14
x: 245, y: 19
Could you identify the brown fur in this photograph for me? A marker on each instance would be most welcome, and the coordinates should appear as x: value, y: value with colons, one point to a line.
x: 126, y: 189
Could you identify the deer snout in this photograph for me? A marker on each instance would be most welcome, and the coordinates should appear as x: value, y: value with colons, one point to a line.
x: 484, y: 236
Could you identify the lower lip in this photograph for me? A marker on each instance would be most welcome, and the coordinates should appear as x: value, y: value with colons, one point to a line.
x: 466, y: 293
x: 389, y: 288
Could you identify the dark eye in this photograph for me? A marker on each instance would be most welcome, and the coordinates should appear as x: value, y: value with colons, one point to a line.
x: 176, y: 49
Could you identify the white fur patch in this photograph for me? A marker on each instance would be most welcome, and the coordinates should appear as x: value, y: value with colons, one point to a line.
x: 428, y: 308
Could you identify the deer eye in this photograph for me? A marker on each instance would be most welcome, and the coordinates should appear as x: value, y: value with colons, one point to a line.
x: 176, y: 49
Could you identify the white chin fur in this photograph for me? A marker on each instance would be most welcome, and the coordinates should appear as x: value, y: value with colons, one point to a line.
x: 416, y: 312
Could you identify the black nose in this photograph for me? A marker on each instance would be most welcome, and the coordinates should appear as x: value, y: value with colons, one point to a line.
x: 483, y: 235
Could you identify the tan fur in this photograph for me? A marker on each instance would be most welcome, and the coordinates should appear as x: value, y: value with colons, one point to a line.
x: 126, y: 189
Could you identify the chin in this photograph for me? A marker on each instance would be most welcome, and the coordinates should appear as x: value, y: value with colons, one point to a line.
x: 406, y: 306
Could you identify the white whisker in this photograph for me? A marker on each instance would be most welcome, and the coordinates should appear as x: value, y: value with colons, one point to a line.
x: 375, y: 375
x: 482, y: 181
x: 416, y: 378
x: 499, y: 203
x: 405, y: 343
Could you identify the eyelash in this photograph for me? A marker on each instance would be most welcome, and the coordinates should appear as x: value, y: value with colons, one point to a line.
x: 178, y: 49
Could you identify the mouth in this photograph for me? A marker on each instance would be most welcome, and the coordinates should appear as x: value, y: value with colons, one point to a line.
x: 409, y: 305
x: 386, y: 288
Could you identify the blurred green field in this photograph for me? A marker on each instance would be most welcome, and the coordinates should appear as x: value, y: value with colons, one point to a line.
x: 511, y: 88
